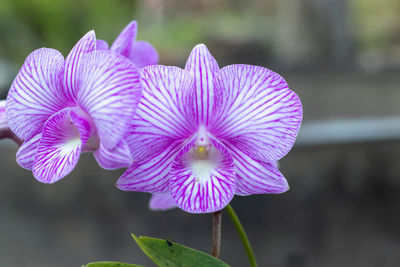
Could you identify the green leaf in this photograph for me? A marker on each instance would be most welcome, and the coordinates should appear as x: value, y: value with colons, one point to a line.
x: 166, y: 253
x: 111, y: 264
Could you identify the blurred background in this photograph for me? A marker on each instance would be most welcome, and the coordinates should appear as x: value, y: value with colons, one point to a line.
x: 343, y: 60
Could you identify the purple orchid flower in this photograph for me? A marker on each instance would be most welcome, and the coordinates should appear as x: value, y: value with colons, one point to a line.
x: 61, y: 108
x: 141, y: 53
x: 204, y: 134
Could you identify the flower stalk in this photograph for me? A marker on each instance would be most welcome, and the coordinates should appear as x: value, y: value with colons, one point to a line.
x: 242, y: 234
x: 216, y: 233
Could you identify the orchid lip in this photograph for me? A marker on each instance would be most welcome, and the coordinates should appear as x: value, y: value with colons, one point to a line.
x: 203, y: 161
x: 93, y: 143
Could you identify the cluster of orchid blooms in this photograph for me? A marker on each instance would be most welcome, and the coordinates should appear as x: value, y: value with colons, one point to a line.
x: 192, y: 137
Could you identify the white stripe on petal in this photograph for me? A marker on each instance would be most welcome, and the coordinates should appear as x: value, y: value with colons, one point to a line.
x: 203, y: 66
x: 255, y: 112
x: 203, y: 185
x: 257, y: 177
x: 73, y: 67
x: 109, y: 92
x: 27, y: 151
x: 165, y: 112
x: 60, y: 146
x: 150, y: 175
x: 36, y: 93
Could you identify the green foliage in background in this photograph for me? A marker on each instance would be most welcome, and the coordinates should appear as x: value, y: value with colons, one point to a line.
x: 29, y: 24
x: 377, y: 23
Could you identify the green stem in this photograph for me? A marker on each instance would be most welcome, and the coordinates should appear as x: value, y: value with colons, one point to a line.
x: 239, y: 228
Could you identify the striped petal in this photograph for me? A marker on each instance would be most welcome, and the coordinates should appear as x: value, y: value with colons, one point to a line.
x: 73, y: 68
x: 255, y: 112
x: 203, y: 185
x: 150, y: 175
x: 143, y: 54
x: 27, y: 151
x: 123, y: 43
x: 109, y: 92
x: 101, y: 45
x: 203, y: 66
x: 60, y: 146
x: 164, y: 114
x: 257, y: 177
x: 163, y: 201
x: 36, y: 93
x: 118, y: 157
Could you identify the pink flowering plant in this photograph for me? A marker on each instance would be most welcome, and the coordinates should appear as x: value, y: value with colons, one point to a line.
x: 192, y: 137
x: 203, y: 134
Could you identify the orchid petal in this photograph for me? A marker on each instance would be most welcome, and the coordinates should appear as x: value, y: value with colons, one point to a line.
x: 125, y: 39
x: 164, y: 113
x: 143, y: 54
x: 73, y: 68
x: 150, y: 175
x: 119, y: 157
x: 35, y: 93
x: 203, y: 186
x: 60, y: 145
x: 110, y: 91
x: 257, y: 177
x: 27, y: 151
x: 101, y: 45
x: 163, y: 201
x: 203, y: 66
x: 255, y: 112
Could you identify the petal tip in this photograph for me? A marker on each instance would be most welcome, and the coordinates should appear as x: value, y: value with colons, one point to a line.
x: 120, y: 184
x: 91, y: 33
x: 200, y: 46
x: 131, y: 24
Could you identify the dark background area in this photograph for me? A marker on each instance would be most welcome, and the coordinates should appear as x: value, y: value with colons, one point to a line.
x: 341, y: 57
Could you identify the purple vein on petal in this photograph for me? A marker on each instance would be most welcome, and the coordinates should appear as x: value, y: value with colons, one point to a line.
x: 110, y: 91
x: 202, y: 186
x: 150, y: 175
x: 60, y: 146
x: 203, y: 66
x: 164, y: 114
x: 73, y: 68
x: 256, y: 109
x: 35, y: 93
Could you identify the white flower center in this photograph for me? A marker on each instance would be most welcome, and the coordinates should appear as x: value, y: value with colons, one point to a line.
x: 71, y: 138
x: 203, y: 158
